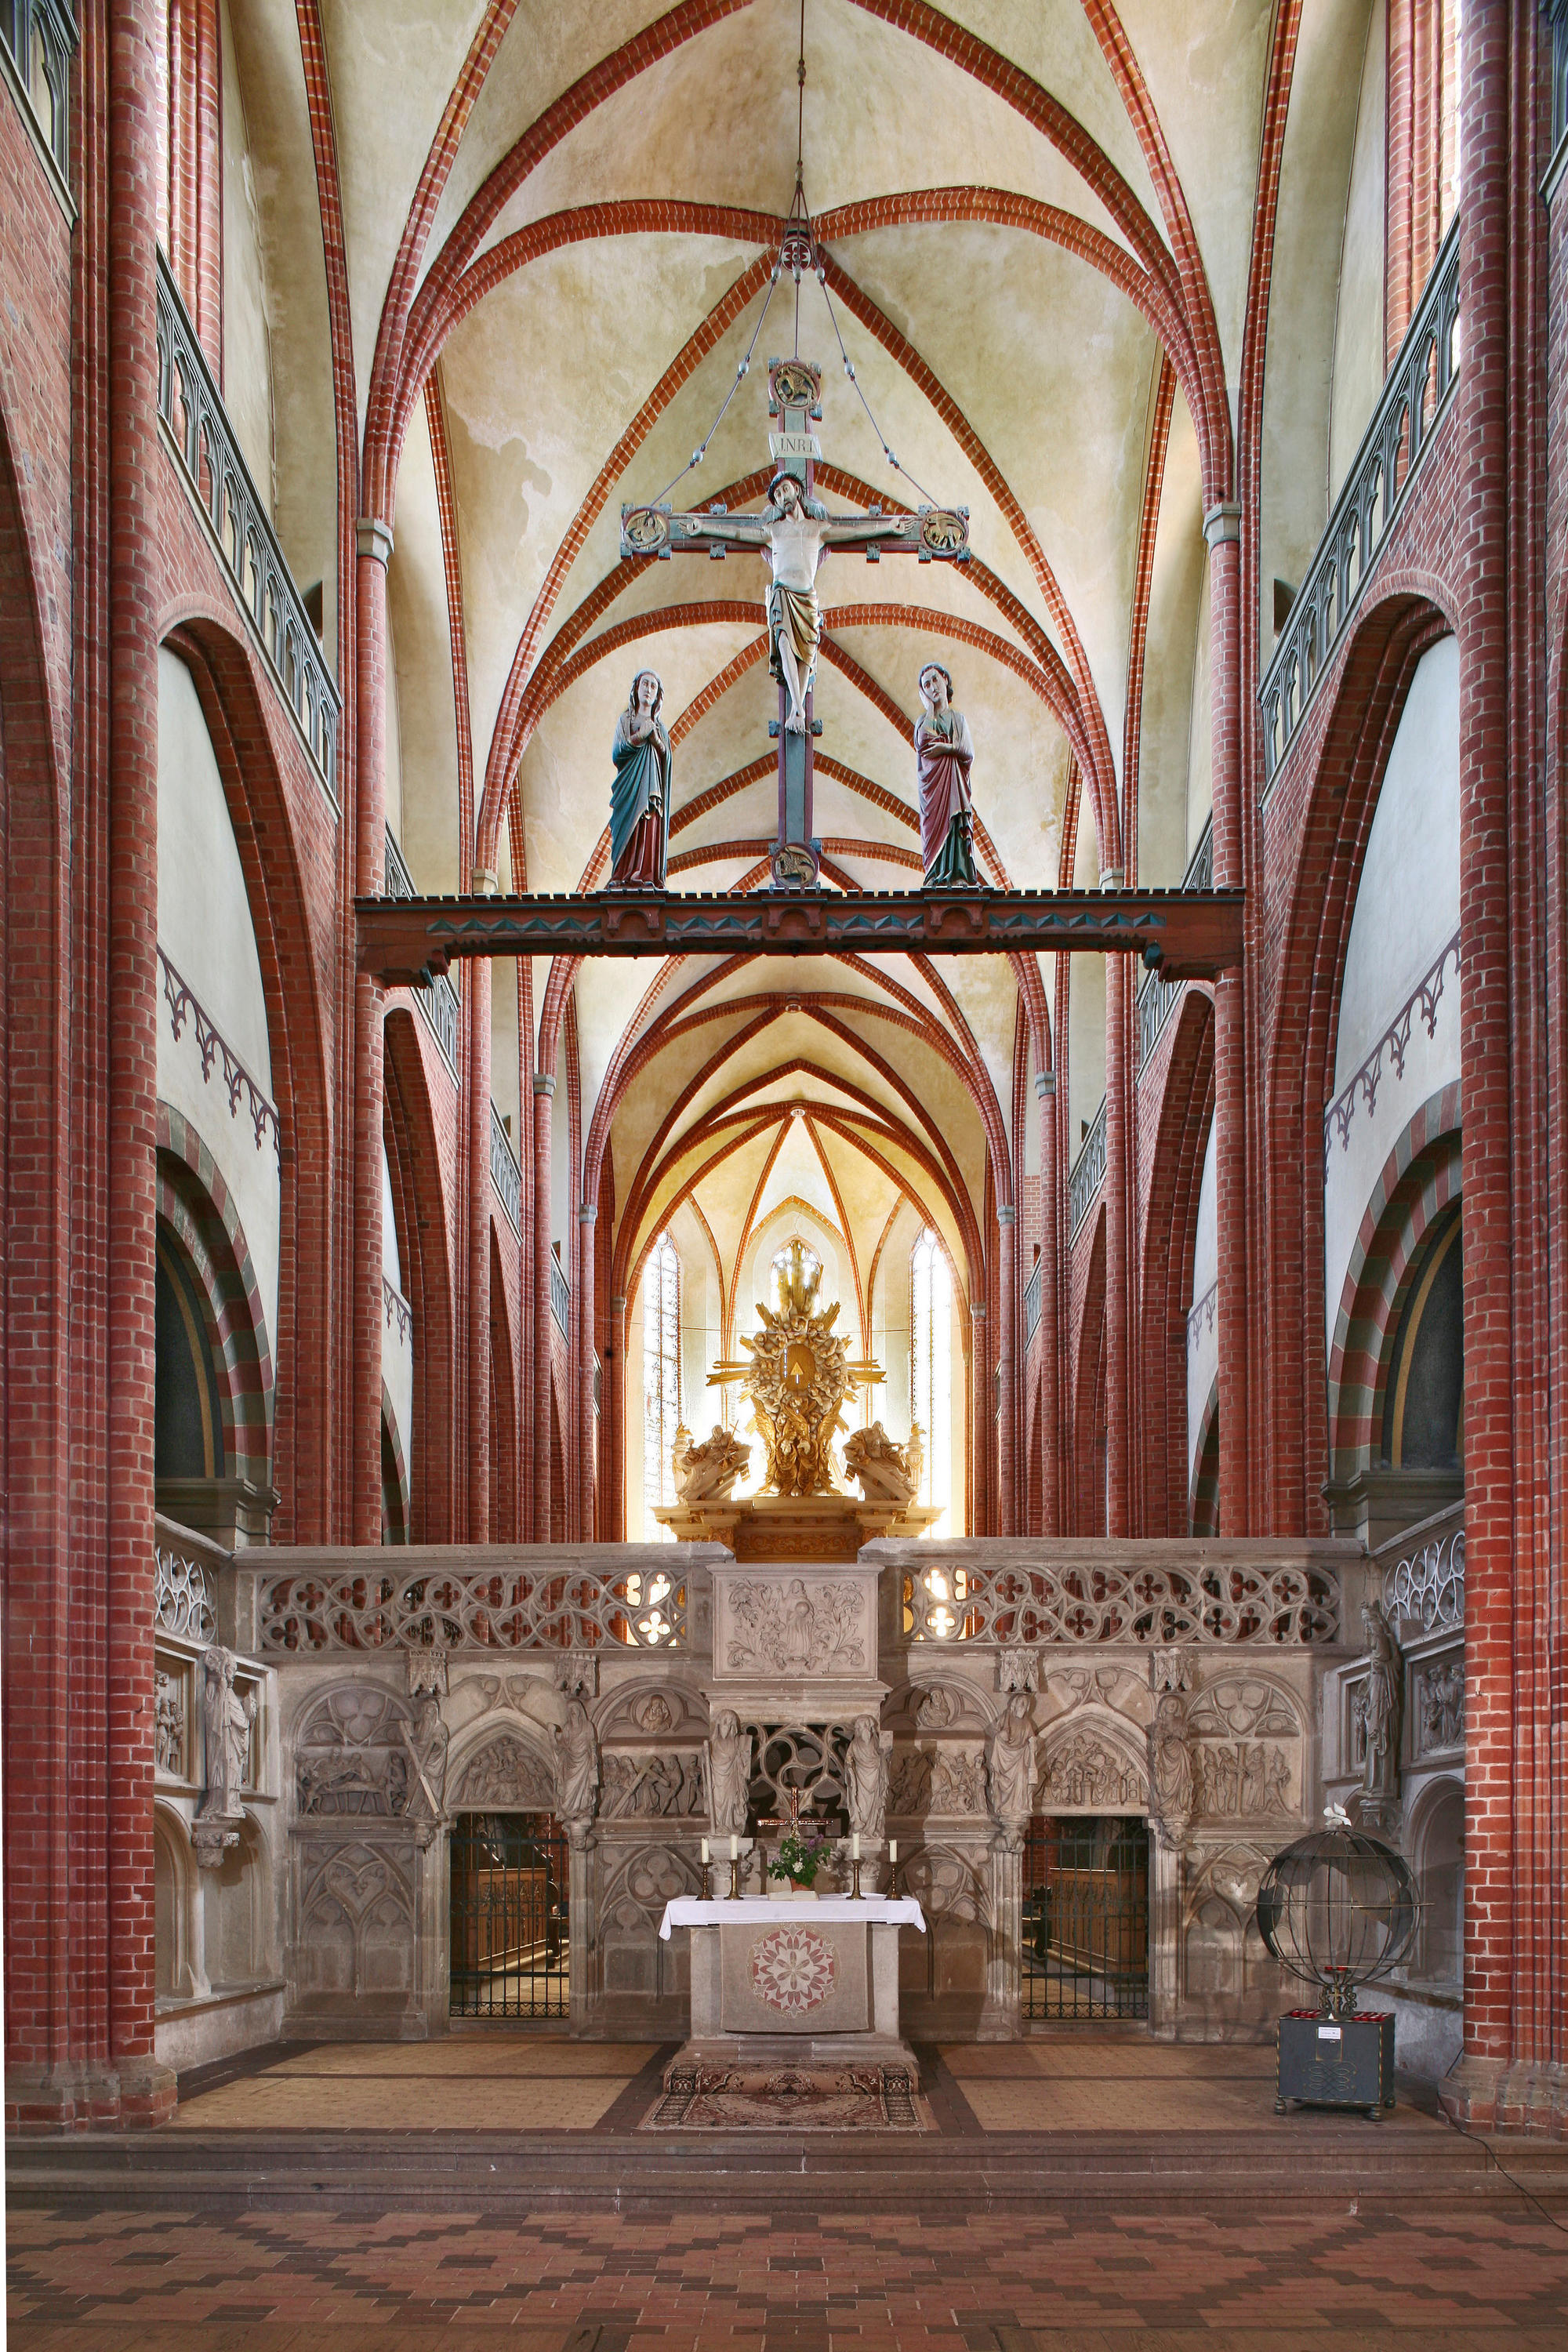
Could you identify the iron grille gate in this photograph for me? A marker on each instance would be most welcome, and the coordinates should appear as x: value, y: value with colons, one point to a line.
x: 510, y: 1948
x: 1086, y: 1917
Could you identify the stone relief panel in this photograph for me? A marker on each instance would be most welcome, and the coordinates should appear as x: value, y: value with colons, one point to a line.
x: 958, y: 1781
x: 505, y: 1773
x: 666, y: 1785
x: 1229, y: 1978
x: 171, y: 1720
x: 909, y: 1783
x: 803, y: 1625
x: 632, y: 1958
x: 952, y: 1957
x: 641, y: 1714
x: 352, y: 1755
x: 930, y: 1710
x: 1438, y: 1715
x: 1246, y: 1751
x: 1085, y: 1768
x: 356, y: 1922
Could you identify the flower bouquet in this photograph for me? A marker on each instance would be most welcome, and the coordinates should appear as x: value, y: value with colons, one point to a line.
x: 801, y: 1853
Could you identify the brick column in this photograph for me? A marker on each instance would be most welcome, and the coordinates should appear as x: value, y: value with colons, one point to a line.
x: 145, y: 2090
x: 587, y: 1216
x: 543, y: 1094
x: 1006, y: 1278
x: 1511, y: 2071
x: 979, y: 1409
x: 476, y: 1081
x: 374, y: 547
x: 1222, y: 529
x: 1050, y: 1294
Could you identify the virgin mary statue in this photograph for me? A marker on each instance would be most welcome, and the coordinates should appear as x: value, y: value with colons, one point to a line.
x: 943, y: 757
x: 639, y: 797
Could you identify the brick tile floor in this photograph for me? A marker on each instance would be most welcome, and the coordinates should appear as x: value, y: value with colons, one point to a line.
x: 746, y: 2282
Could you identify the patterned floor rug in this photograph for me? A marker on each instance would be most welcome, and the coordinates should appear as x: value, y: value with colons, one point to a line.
x: 789, y: 2098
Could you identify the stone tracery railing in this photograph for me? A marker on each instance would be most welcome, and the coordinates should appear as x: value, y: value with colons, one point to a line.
x: 200, y: 434
x: 1087, y: 1174
x: 436, y: 999
x: 1414, y: 398
x: 1215, y: 1600
x: 1428, y: 1588
x: 507, y: 1608
x: 186, y: 1602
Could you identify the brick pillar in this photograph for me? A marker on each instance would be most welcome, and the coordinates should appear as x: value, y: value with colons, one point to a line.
x: 1399, y: 193
x: 196, y: 168
x: 1050, y: 1294
x: 145, y: 2090
x: 1512, y: 2069
x: 375, y: 546
x: 543, y: 1094
x: 979, y: 1408
x: 1222, y: 529
x: 587, y: 1216
x: 1007, y: 1279
x: 476, y: 1081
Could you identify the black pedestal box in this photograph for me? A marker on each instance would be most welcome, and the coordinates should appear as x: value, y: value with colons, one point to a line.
x: 1345, y: 2061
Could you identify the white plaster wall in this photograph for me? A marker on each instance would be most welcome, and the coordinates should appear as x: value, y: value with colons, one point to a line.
x: 205, y: 929
x: 1407, y: 909
x: 246, y: 337
x: 1358, y: 321
x: 1203, y: 1331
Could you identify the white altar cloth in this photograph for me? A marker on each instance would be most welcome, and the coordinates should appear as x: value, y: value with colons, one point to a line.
x: 743, y: 1910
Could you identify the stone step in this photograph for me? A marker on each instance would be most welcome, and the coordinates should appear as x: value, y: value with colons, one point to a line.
x: 1384, y: 2164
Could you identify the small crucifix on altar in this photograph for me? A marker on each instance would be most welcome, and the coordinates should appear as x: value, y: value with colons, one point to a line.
x: 793, y: 534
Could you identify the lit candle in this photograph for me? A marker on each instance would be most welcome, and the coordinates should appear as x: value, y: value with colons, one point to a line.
x: 892, y: 1849
x: 734, y: 1847
x: 854, y: 1847
x: 706, y: 1856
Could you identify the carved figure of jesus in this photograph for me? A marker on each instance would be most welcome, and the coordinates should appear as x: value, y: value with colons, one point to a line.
x: 792, y: 536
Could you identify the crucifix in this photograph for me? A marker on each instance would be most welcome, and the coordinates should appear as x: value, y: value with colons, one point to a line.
x: 792, y: 535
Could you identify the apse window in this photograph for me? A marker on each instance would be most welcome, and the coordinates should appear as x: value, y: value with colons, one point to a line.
x: 660, y: 1373
x: 930, y: 1371
x: 783, y: 1265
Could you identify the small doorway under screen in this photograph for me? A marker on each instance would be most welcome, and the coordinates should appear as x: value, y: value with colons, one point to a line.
x: 1086, y: 1917
x: 512, y: 1944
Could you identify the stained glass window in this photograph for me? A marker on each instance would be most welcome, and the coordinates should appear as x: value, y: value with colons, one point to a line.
x: 930, y: 1371
x: 661, y: 1372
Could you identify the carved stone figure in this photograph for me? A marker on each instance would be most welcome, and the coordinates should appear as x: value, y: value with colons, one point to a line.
x: 168, y: 1724
x: 1010, y: 1761
x: 353, y: 1780
x: 936, y: 1709
x: 707, y: 1473
x: 653, y: 1713
x: 639, y: 797
x: 944, y: 755
x: 882, y: 1467
x: 1086, y: 1771
x: 505, y: 1772
x: 1017, y: 1667
x: 729, y: 1774
x: 957, y: 1782
x: 866, y: 1767
x: 227, y: 1720
x: 910, y: 1784
x: 915, y: 1453
x: 1379, y: 1705
x: 427, y: 1745
x: 577, y: 1764
x: 1443, y: 1706
x: 1170, y: 1777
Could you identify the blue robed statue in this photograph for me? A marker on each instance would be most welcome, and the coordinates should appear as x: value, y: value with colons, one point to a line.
x: 639, y: 797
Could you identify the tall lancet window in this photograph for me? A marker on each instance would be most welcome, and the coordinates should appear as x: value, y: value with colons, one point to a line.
x: 660, y: 1373
x: 931, y: 1373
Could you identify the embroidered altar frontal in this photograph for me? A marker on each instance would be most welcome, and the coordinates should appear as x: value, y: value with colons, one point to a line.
x: 795, y: 1978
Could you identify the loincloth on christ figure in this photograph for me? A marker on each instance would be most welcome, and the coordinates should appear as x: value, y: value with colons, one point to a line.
x: 798, y: 611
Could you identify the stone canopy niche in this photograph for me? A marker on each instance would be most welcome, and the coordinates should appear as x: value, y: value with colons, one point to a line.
x: 796, y: 1378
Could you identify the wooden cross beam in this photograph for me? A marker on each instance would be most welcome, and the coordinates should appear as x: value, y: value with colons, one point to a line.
x: 1183, y: 934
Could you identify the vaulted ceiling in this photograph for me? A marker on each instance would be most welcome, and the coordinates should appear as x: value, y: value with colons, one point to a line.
x: 558, y: 223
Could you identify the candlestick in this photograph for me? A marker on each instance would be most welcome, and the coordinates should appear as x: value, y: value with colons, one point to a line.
x: 893, y: 1866
x: 855, y: 1876
x: 706, y: 1882
x: 734, y: 1874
